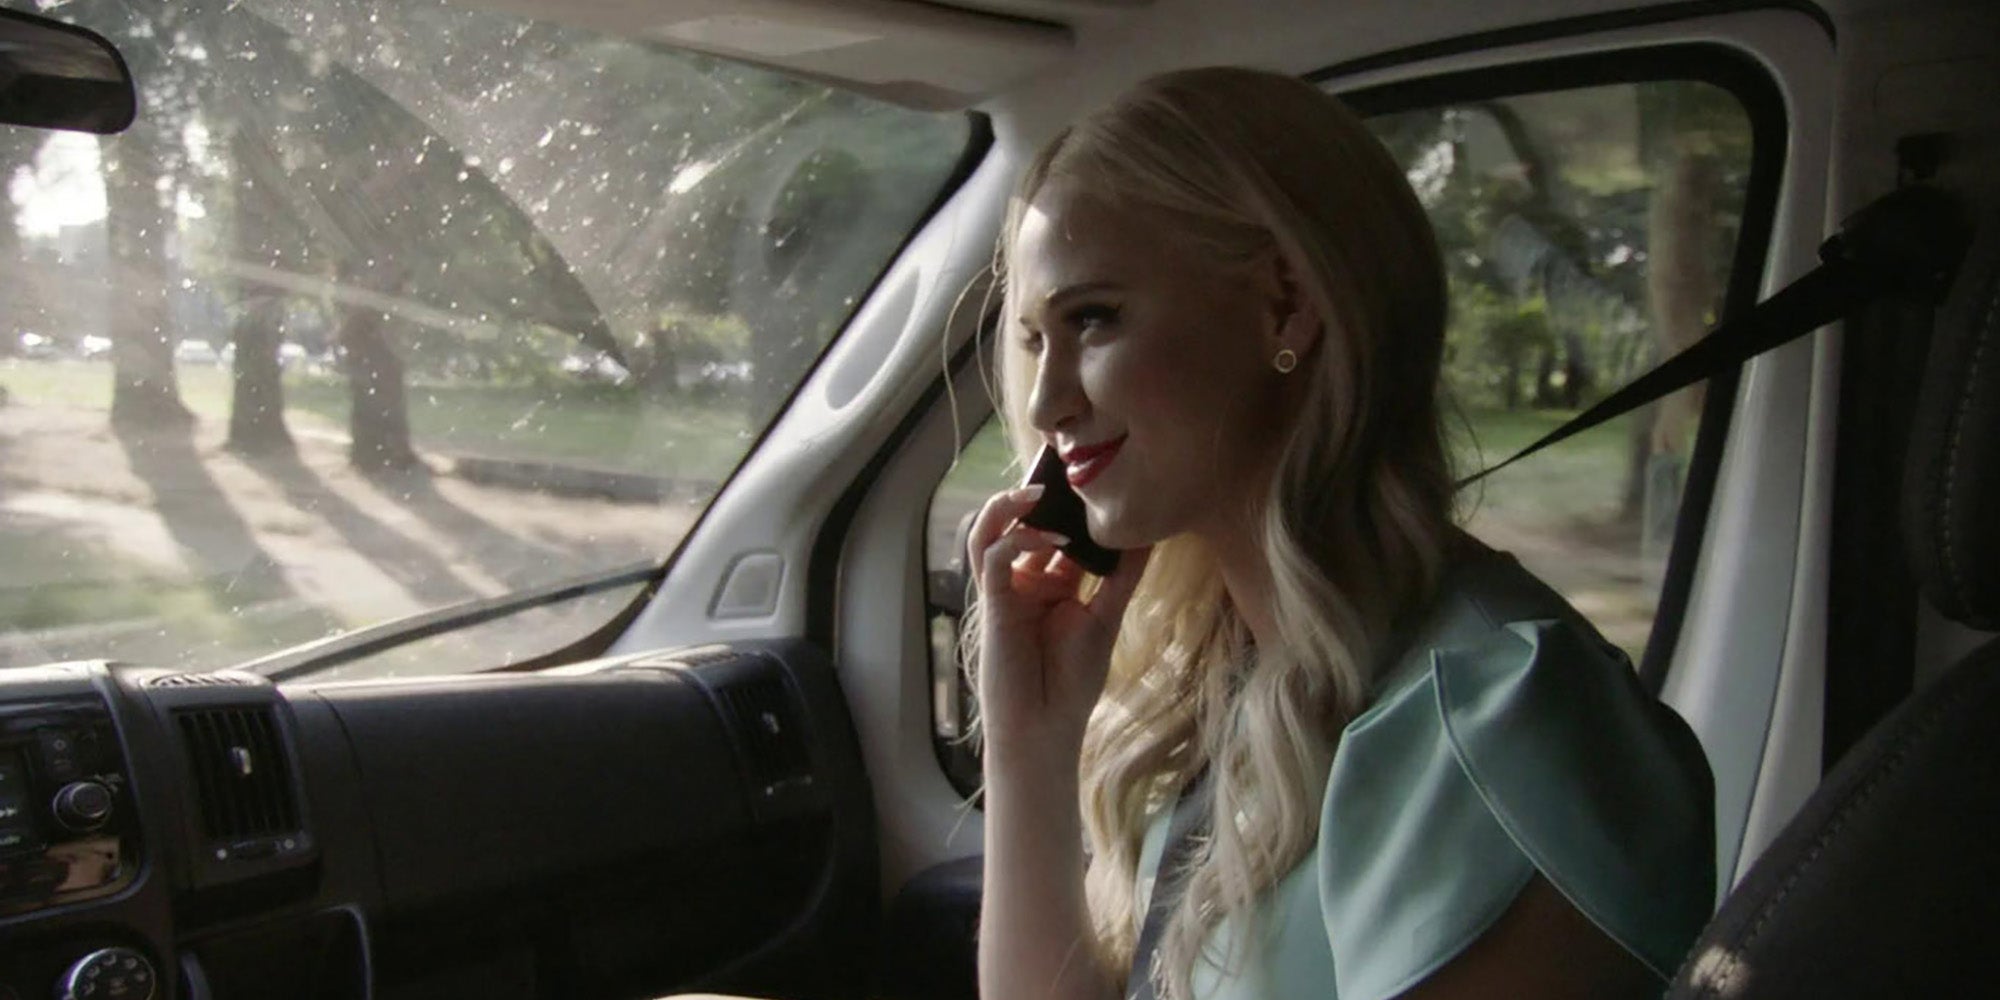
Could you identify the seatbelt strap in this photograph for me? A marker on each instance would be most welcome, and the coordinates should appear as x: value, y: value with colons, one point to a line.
x: 1168, y: 884
x: 1906, y: 244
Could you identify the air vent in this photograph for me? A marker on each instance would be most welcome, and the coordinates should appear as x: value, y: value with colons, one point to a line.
x: 217, y: 679
x: 241, y: 776
x: 767, y: 721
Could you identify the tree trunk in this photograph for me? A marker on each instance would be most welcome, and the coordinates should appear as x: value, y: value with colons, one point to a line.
x: 1681, y: 287
x: 1638, y: 448
x: 18, y: 148
x: 145, y: 394
x: 257, y: 410
x: 660, y: 373
x: 1545, y: 379
x: 261, y: 229
x: 378, y: 416
x: 1577, y: 377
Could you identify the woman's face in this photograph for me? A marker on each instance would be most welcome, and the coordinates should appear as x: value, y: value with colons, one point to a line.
x: 1144, y: 344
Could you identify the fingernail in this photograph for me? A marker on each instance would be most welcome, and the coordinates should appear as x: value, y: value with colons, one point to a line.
x: 1033, y: 492
x: 1060, y: 540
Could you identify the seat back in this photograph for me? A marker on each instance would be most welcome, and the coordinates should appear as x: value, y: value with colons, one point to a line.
x: 1884, y: 884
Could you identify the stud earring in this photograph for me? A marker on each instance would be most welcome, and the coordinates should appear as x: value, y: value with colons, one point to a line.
x: 1285, y: 361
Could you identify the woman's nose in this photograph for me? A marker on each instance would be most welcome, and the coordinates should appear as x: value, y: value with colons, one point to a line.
x: 1056, y: 400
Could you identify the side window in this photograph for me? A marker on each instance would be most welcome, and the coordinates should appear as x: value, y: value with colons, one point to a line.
x: 1588, y: 232
x: 984, y: 467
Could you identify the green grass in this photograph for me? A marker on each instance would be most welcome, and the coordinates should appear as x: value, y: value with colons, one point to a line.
x: 576, y: 426
x: 1580, y: 478
x: 96, y: 586
x: 581, y: 425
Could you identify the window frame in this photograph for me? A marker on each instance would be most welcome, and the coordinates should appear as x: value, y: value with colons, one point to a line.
x: 1719, y: 65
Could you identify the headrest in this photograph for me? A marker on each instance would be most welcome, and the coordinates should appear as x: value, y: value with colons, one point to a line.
x: 1951, y: 484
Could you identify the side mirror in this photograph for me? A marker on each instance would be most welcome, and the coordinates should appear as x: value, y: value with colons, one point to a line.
x: 59, y: 76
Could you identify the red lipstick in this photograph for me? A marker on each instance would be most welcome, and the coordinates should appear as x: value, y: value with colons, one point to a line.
x: 1084, y: 463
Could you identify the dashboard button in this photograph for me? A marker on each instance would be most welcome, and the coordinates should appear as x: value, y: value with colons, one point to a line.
x: 14, y: 838
x: 108, y: 974
x: 59, y: 754
x: 82, y: 806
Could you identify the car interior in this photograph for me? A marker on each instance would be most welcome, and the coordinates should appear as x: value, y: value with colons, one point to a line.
x: 749, y: 775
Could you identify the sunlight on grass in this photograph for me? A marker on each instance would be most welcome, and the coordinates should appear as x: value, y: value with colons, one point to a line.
x: 123, y: 602
x: 591, y: 426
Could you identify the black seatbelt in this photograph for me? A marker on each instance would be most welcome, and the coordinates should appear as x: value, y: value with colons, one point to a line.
x: 1906, y: 244
x: 1189, y: 812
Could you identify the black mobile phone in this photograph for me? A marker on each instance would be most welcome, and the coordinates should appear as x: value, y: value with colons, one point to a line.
x: 1060, y: 510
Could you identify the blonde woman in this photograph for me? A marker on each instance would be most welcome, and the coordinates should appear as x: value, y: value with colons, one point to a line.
x: 1377, y: 759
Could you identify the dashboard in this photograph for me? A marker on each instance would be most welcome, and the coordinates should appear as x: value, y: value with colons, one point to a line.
x: 679, y: 820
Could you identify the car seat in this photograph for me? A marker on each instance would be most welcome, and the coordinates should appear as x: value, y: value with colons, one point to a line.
x: 1887, y: 881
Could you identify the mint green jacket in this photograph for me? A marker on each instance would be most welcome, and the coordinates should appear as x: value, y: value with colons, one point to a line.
x: 1508, y: 739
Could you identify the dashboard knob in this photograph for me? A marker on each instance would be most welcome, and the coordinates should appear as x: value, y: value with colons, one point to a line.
x: 108, y: 974
x: 83, y: 805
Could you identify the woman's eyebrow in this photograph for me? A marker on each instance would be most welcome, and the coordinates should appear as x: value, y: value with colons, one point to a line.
x: 1055, y: 298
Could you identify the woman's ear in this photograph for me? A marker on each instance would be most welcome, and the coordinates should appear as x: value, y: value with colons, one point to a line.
x: 1298, y: 324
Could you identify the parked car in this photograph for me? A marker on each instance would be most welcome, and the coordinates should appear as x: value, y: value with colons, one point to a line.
x: 35, y: 345
x: 198, y: 352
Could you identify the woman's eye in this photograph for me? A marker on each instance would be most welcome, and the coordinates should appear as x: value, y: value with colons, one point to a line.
x: 1093, y: 317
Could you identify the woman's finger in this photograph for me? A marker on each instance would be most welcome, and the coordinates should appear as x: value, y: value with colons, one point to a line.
x: 999, y: 512
x: 996, y: 568
x: 1065, y: 569
x: 1047, y: 577
x: 1047, y: 563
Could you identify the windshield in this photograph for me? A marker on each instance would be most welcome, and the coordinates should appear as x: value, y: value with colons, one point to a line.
x: 381, y: 308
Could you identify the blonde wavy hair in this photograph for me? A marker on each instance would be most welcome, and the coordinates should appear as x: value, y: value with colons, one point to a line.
x: 1355, y: 521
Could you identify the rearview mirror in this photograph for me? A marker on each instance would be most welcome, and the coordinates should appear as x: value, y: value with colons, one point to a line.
x: 56, y: 75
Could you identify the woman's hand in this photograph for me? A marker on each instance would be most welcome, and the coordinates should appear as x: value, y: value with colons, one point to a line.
x: 1043, y: 653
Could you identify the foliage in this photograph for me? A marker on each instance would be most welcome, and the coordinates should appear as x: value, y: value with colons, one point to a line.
x: 1544, y: 210
x: 509, y: 196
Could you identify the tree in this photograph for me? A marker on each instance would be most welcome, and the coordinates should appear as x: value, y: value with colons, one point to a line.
x: 145, y: 392
x: 675, y: 183
x: 260, y: 229
x: 379, y: 411
x: 257, y: 405
x: 354, y: 194
x: 141, y: 169
x: 18, y: 148
x: 1688, y: 132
